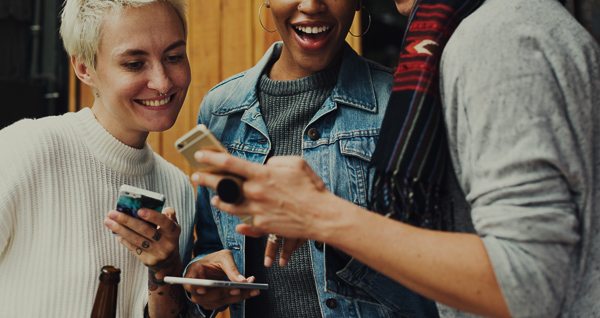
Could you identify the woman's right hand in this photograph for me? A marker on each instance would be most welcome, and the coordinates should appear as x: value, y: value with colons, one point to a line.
x: 216, y: 266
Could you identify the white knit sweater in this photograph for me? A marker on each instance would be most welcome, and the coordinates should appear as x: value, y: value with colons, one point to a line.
x: 59, y: 177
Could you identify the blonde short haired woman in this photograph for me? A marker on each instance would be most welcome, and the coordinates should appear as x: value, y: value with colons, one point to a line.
x: 64, y: 172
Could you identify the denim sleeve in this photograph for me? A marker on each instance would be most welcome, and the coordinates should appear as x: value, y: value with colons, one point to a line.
x: 207, y: 241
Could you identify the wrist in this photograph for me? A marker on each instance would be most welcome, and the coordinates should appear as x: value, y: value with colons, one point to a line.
x: 334, y: 221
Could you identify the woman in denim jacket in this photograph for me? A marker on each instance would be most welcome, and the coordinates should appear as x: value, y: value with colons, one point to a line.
x: 311, y: 96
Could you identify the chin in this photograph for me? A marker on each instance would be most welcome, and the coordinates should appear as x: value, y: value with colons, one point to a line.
x: 404, y: 8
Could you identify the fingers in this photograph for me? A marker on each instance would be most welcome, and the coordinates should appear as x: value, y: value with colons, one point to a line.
x: 289, y: 246
x: 272, y: 248
x: 214, y: 298
x: 154, y: 246
x: 248, y: 230
x: 216, y: 266
x: 227, y: 162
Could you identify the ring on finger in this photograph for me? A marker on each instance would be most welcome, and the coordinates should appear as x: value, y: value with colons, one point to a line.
x: 274, y: 239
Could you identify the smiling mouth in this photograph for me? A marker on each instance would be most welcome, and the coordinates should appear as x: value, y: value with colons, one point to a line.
x: 155, y: 103
x: 315, y: 34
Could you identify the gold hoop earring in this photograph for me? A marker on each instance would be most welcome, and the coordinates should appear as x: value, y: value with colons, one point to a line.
x: 368, y: 26
x: 260, y: 21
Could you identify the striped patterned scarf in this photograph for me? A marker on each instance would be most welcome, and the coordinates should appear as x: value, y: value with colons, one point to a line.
x: 411, y: 154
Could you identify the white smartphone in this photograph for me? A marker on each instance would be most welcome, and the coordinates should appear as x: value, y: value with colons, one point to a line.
x: 213, y: 283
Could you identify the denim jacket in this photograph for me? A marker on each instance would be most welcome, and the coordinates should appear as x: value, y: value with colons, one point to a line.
x: 338, y: 144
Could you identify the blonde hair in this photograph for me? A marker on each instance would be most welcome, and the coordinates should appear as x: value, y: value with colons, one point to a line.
x: 82, y: 20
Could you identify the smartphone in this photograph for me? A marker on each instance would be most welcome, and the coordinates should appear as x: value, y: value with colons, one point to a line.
x: 131, y: 199
x: 213, y: 283
x: 200, y: 137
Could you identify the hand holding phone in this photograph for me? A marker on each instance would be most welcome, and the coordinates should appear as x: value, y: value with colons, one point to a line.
x: 213, y: 283
x: 200, y: 137
x: 131, y: 199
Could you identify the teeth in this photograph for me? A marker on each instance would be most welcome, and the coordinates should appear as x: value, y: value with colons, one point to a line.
x: 312, y: 30
x: 156, y: 103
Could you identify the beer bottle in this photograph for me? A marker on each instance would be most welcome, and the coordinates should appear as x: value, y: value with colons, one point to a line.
x: 105, y: 305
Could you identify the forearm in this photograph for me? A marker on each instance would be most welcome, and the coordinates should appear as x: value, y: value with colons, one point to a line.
x: 451, y: 268
x: 165, y: 300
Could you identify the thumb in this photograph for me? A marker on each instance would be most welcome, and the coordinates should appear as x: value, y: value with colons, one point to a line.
x: 170, y: 212
x: 248, y: 230
x: 230, y: 269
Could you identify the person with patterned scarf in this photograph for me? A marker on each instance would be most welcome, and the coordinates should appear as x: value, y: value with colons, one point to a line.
x: 486, y: 182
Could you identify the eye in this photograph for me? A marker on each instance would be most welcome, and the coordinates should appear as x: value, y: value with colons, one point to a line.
x: 174, y: 59
x: 133, y: 66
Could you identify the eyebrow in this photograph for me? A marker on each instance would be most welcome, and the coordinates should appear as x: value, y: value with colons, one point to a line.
x: 144, y: 53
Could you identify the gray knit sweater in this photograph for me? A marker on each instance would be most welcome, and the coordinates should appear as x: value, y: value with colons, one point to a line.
x: 520, y: 84
x: 287, y: 108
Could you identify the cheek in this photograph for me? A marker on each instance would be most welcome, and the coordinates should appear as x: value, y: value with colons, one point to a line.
x: 122, y: 86
x: 182, y: 77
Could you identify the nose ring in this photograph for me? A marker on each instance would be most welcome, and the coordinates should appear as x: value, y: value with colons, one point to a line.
x: 161, y: 94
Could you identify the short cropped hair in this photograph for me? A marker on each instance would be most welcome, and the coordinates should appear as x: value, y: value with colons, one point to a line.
x: 82, y: 20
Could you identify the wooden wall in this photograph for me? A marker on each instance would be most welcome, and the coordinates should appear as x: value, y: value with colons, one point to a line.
x: 225, y: 38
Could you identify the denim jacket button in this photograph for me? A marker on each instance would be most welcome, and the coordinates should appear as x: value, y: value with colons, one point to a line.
x: 331, y: 303
x: 313, y: 134
x: 319, y: 245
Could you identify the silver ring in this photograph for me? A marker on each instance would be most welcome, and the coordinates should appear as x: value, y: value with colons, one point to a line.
x: 274, y: 239
x: 161, y: 94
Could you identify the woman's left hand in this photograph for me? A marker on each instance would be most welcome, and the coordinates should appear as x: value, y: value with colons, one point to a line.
x: 157, y: 247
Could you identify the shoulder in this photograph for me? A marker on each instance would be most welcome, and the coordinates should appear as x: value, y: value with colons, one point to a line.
x: 32, y: 144
x: 508, y: 30
x: 221, y: 92
x: 38, y: 134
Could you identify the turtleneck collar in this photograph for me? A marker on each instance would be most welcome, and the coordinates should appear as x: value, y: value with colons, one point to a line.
x: 108, y: 149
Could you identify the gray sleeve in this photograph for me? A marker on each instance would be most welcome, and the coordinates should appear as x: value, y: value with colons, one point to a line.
x: 518, y: 160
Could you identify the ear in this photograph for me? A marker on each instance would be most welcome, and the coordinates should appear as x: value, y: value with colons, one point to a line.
x: 84, y: 73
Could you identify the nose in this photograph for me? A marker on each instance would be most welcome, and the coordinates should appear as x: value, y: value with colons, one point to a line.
x: 311, y: 6
x: 160, y: 80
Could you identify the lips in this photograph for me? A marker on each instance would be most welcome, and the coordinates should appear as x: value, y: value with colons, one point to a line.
x: 312, y: 38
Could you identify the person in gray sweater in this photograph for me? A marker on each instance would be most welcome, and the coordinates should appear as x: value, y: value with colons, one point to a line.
x: 520, y: 93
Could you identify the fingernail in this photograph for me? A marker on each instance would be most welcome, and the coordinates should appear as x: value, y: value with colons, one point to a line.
x: 143, y: 213
x: 213, y: 200
x: 195, y: 177
x: 113, y: 215
x: 235, y: 292
x: 200, y: 291
x: 198, y: 155
x: 254, y: 293
x: 268, y: 261
x: 241, y: 277
x: 108, y: 222
x: 282, y: 262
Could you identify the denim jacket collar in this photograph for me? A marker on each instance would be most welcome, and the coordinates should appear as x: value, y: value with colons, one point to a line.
x: 356, y: 91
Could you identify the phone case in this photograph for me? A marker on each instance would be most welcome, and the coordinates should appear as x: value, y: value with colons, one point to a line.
x: 131, y: 199
x: 198, y: 138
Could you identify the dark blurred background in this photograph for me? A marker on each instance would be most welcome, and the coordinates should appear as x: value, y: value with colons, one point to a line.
x: 34, y: 69
x: 33, y: 66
